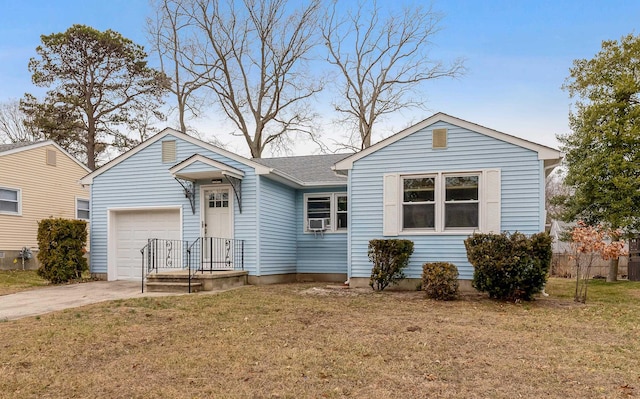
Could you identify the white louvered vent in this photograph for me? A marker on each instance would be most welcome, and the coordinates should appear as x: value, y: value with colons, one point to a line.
x: 439, y: 138
x: 51, y: 157
x: 169, y: 151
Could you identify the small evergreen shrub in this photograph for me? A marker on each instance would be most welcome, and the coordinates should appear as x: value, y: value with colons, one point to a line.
x: 509, y: 266
x: 389, y: 258
x: 61, y: 245
x: 440, y: 280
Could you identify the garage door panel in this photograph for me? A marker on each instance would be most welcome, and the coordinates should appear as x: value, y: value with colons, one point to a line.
x: 133, y: 229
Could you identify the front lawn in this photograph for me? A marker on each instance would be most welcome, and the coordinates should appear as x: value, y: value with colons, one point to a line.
x: 305, y: 341
x: 12, y: 281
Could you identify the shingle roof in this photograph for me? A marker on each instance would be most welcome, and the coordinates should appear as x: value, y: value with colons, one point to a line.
x: 308, y: 168
x: 12, y: 146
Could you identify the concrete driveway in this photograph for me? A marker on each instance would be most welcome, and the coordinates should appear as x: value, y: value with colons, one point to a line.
x: 44, y: 300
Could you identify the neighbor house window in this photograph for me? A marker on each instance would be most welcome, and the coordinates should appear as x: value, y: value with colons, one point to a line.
x: 327, y: 209
x: 9, y: 201
x: 441, y: 202
x: 82, y: 209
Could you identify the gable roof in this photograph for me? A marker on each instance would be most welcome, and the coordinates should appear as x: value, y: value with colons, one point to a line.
x: 260, y: 169
x: 308, y: 170
x: 13, y: 148
x: 550, y: 155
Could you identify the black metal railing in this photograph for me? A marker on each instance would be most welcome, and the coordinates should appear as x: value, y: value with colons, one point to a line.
x: 205, y: 254
x: 163, y: 255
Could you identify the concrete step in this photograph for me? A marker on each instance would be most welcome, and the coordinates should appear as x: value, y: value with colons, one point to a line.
x: 170, y: 286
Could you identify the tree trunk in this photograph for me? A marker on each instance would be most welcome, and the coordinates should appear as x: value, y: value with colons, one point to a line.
x: 613, y: 270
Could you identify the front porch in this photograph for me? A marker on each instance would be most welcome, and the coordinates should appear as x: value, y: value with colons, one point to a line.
x: 181, y: 281
x: 206, y: 264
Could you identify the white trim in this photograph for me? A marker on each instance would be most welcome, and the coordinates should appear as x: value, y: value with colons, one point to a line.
x: 88, y: 202
x: 43, y: 144
x: 259, y: 169
x: 333, y: 206
x: 544, y: 152
x: 203, y: 208
x: 19, y: 200
x: 112, y: 267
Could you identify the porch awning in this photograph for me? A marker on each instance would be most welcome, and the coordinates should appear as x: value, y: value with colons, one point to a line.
x: 198, y: 167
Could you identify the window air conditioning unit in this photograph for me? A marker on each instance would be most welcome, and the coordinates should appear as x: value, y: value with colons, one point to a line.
x: 316, y: 225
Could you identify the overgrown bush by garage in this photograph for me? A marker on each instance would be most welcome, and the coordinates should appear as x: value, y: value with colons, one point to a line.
x: 509, y: 266
x: 389, y: 258
x: 440, y: 280
x: 62, y: 245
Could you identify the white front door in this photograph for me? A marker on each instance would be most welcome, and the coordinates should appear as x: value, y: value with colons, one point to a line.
x: 218, y: 212
x: 217, y: 248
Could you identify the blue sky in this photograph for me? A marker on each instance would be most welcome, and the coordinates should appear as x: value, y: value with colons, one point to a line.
x: 518, y: 54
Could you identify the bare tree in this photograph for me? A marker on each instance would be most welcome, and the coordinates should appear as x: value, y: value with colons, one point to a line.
x: 382, y: 60
x: 170, y: 34
x: 12, y: 126
x: 255, y: 52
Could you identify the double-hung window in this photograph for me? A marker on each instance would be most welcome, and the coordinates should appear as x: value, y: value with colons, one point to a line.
x: 82, y: 209
x: 327, y: 209
x: 9, y: 201
x: 461, y: 202
x: 419, y: 202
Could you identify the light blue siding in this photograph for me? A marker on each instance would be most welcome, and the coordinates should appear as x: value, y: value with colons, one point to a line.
x: 143, y: 180
x: 277, y: 209
x: 521, y: 192
x: 319, y: 253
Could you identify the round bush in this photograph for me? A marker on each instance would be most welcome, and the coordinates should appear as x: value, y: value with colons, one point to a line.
x: 440, y: 280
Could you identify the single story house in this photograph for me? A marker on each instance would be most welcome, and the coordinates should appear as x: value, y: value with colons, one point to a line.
x: 38, y: 180
x: 311, y: 217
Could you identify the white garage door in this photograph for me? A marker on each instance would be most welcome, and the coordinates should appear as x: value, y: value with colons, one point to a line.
x: 133, y: 229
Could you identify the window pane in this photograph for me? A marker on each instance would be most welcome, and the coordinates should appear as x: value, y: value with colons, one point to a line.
x: 419, y: 190
x: 6, y: 206
x: 461, y: 215
x: 462, y: 188
x: 342, y: 221
x: 418, y: 216
x: 342, y: 204
x: 83, y: 214
x: 9, y: 195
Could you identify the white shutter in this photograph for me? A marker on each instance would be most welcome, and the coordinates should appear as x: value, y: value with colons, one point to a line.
x: 492, y: 185
x: 390, y: 205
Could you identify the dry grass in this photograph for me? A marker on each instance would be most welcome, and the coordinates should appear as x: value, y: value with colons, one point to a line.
x: 12, y: 281
x: 302, y: 341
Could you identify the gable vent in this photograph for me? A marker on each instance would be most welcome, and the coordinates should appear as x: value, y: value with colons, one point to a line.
x: 169, y: 151
x: 439, y: 138
x: 51, y: 157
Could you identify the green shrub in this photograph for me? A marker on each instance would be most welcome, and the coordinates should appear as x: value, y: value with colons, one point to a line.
x: 61, y: 252
x: 510, y: 267
x: 440, y: 280
x: 389, y: 258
